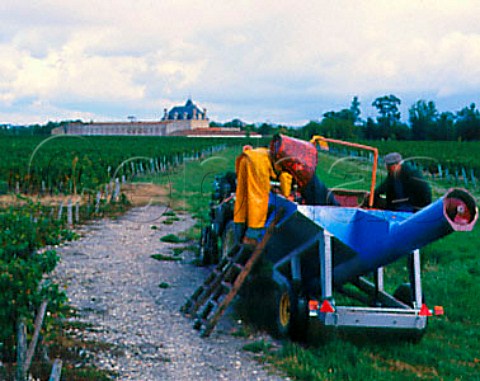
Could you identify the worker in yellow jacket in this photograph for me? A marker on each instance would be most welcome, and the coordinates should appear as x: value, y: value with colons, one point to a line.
x: 254, y: 171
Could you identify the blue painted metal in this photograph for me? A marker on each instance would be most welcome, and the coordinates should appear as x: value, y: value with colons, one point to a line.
x: 363, y: 239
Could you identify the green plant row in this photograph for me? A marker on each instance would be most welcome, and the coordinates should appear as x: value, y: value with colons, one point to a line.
x: 23, y: 231
x: 69, y: 164
x: 28, y: 231
x: 449, y: 154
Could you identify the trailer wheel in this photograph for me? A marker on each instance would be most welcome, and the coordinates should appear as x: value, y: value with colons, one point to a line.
x: 299, y: 329
x: 404, y: 293
x: 285, y: 311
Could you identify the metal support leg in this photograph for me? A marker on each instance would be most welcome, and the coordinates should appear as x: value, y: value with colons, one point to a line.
x: 417, y: 281
x: 379, y: 285
x: 325, y: 253
x: 296, y: 273
x: 296, y: 269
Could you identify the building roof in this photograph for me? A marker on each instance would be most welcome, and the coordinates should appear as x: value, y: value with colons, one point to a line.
x: 188, y: 109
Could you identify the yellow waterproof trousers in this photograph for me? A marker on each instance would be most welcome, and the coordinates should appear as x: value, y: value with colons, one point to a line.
x: 254, y: 170
x: 285, y: 179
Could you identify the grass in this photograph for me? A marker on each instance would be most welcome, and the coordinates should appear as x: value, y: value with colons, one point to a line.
x: 450, y: 349
x: 172, y: 238
x: 178, y: 250
x: 161, y: 257
x: 260, y: 346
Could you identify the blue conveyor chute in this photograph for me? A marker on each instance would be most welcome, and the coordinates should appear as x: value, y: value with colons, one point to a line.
x: 365, y: 238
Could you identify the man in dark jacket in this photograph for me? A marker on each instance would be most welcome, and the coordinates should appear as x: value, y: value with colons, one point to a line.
x: 404, y: 189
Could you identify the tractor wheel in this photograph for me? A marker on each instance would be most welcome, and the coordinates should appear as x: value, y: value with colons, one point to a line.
x: 228, y: 241
x: 207, y: 246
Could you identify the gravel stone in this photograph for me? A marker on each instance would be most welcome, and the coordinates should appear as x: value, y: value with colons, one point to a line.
x: 114, y: 283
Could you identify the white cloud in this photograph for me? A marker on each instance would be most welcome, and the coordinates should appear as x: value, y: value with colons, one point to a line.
x: 262, y: 60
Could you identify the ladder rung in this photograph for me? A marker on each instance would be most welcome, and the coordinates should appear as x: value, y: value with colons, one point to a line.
x: 209, y: 307
x: 230, y: 274
x: 197, y: 292
x: 238, y: 266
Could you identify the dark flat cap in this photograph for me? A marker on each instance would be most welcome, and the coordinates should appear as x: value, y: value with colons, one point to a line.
x: 392, y: 158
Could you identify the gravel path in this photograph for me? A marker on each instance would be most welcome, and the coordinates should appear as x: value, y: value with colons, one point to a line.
x: 114, y: 283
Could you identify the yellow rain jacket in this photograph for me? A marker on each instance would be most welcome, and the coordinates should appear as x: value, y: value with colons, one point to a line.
x: 254, y: 171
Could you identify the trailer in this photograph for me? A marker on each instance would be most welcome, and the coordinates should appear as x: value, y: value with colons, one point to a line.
x: 329, y: 261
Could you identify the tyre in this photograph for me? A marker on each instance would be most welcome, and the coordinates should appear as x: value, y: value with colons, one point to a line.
x: 229, y: 241
x: 299, y: 328
x: 208, y: 249
x: 285, y: 309
x: 404, y: 293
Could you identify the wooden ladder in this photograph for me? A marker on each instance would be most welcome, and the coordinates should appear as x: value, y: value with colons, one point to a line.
x: 209, y: 302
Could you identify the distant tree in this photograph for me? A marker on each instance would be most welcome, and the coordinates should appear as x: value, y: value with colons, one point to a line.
x: 310, y: 129
x: 370, y: 129
x: 400, y: 131
x: 355, y: 109
x: 387, y: 107
x: 339, y: 124
x: 446, y: 126
x: 468, y: 123
x: 236, y: 123
x: 266, y: 129
x: 423, y: 120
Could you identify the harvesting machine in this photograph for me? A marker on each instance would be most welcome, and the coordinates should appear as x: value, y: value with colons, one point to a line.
x: 328, y: 261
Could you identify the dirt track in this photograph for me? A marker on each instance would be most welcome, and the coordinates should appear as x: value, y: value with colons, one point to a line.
x: 114, y: 283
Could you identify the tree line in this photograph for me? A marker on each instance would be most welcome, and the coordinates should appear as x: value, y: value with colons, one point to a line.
x: 425, y: 122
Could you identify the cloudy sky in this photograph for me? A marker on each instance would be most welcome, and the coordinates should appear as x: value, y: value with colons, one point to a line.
x: 278, y: 61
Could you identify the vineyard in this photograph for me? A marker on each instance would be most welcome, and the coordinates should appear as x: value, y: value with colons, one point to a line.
x: 90, y: 170
x: 73, y: 164
x: 453, y: 156
x: 84, y: 176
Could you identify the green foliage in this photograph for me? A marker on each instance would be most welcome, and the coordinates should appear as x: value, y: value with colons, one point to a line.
x: 172, y: 238
x: 260, y: 346
x: 22, y: 270
x: 161, y: 257
x: 452, y: 155
x: 85, y: 163
x: 178, y: 250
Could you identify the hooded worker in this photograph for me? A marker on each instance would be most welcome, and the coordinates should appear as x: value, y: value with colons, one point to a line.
x: 286, y: 159
x: 299, y: 158
x: 254, y: 170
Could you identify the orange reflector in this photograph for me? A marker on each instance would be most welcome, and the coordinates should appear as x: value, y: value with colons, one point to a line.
x: 438, y: 310
x: 313, y: 305
x: 424, y: 311
x: 326, y: 307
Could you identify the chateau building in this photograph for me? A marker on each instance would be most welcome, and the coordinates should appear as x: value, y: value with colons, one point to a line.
x: 188, y: 120
x: 180, y: 118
